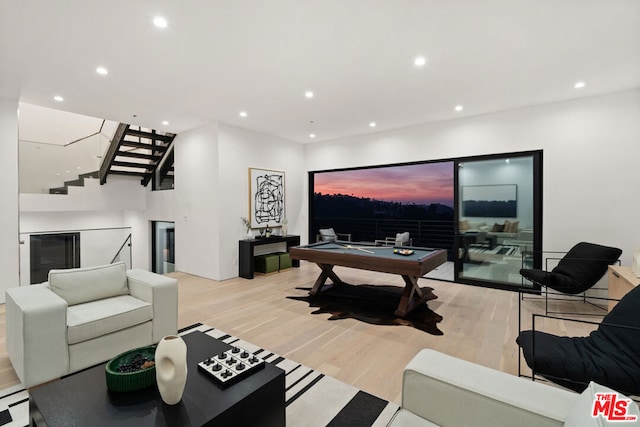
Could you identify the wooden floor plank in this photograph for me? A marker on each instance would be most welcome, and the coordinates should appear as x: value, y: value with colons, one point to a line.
x: 479, y: 325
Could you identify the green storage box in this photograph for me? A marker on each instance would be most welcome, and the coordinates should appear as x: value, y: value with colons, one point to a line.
x: 285, y: 260
x: 269, y: 263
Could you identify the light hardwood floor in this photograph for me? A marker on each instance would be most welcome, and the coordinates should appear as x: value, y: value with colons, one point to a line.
x: 479, y: 325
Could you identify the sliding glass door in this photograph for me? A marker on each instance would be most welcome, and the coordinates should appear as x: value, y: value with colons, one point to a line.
x: 486, y: 211
x: 499, y: 215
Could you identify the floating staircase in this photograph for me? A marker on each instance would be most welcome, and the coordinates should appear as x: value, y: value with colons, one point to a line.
x: 75, y: 183
x: 139, y: 152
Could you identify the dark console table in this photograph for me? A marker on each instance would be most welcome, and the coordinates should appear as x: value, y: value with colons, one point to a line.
x: 247, y: 248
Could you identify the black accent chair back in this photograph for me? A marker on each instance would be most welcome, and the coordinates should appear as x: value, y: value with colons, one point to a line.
x: 610, y: 355
x: 578, y: 270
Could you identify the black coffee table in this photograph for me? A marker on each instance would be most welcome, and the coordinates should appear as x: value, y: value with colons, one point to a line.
x: 82, y: 399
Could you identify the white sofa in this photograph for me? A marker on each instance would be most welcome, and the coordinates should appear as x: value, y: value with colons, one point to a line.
x: 85, y: 316
x: 509, y: 229
x: 441, y: 390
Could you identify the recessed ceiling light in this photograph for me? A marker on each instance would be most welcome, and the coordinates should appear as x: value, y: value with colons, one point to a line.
x: 420, y: 61
x: 507, y: 161
x: 243, y: 114
x: 312, y: 135
x: 58, y: 98
x: 579, y: 85
x: 459, y: 108
x: 372, y: 124
x: 308, y: 94
x: 164, y: 122
x: 102, y: 71
x: 160, y: 22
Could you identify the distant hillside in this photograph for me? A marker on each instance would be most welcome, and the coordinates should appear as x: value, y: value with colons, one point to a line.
x: 341, y: 205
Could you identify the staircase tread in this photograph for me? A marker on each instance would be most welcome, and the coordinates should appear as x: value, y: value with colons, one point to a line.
x: 154, y: 145
x: 133, y: 164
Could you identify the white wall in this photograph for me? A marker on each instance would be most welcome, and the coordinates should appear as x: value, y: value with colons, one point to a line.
x: 518, y: 171
x: 92, y: 207
x: 211, y: 194
x: 241, y: 149
x: 9, y: 195
x: 590, y: 159
x: 196, y: 202
x: 192, y: 205
x: 45, y: 165
x: 119, y: 193
x: 43, y: 222
x: 209, y: 197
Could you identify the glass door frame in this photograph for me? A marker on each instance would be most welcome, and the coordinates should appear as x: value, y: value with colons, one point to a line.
x: 154, y: 245
x: 537, y: 216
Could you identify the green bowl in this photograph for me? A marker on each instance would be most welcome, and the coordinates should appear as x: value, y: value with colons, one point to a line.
x: 130, y: 381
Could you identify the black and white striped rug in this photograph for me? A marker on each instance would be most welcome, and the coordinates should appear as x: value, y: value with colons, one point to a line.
x: 312, y: 398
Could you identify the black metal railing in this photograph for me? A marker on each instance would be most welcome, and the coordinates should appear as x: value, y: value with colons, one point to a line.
x: 425, y: 233
x: 120, y: 254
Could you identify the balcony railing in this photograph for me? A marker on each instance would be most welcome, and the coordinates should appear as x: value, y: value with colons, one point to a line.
x: 425, y: 233
x: 41, y: 251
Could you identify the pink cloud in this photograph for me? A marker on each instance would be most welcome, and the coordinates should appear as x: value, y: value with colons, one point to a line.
x: 420, y: 183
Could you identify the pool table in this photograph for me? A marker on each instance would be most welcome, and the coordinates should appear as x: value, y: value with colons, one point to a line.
x: 374, y: 258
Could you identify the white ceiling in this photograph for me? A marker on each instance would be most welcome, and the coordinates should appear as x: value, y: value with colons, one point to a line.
x: 217, y: 58
x: 44, y: 125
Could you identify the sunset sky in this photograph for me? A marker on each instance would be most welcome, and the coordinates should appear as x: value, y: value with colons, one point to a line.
x: 421, y: 184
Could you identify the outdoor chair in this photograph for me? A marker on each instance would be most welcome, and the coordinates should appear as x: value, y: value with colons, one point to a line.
x: 400, y: 239
x: 329, y: 235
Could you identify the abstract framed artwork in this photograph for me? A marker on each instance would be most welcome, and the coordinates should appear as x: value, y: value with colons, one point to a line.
x: 266, y: 198
x: 497, y: 201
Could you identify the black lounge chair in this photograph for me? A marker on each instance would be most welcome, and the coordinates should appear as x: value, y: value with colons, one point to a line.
x: 577, y: 271
x: 610, y: 355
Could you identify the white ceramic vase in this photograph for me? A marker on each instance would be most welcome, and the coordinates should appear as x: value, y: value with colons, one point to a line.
x: 171, y: 368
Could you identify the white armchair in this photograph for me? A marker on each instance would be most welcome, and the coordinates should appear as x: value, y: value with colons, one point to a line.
x: 441, y: 390
x: 85, y: 316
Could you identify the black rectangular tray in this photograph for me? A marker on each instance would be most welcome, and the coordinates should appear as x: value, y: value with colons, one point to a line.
x: 230, y: 366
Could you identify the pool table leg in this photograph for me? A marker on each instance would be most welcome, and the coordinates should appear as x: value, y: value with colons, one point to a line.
x: 327, y: 273
x: 412, y: 296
